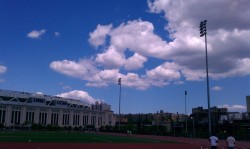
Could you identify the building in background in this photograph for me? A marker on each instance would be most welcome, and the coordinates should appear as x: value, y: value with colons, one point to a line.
x: 201, y: 115
x: 248, y: 103
x: 21, y: 108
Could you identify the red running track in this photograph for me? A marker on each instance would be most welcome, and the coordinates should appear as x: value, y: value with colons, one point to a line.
x: 197, y: 143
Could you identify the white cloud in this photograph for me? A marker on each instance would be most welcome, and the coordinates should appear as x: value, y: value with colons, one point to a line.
x: 96, y: 84
x: 104, y: 77
x: 2, y: 80
x: 67, y: 67
x: 57, y: 34
x: 79, y: 95
x: 166, y: 71
x: 138, y: 36
x: 3, y: 69
x: 217, y: 88
x: 193, y: 75
x: 234, y: 108
x: 228, y: 48
x: 111, y: 58
x: 182, y: 12
x: 36, y: 34
x: 135, y: 81
x: 98, y: 36
x: 39, y: 93
x: 108, y: 75
x: 135, y: 62
x: 184, y: 54
x: 83, y: 69
x: 65, y: 87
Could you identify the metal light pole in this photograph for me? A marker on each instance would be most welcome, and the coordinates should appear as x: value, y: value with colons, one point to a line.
x: 186, y: 109
x: 120, y: 83
x: 203, y: 32
x: 193, y: 126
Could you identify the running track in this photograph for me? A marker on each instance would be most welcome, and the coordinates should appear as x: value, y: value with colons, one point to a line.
x: 200, y: 143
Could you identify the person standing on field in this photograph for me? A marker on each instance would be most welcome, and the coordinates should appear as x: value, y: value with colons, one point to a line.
x: 213, y: 141
x: 230, y: 141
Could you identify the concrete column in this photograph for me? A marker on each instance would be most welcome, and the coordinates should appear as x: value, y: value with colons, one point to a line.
x: 60, y: 118
x: 71, y: 114
x: 89, y: 118
x: 96, y: 120
x: 81, y: 119
x: 23, y: 115
x: 49, y: 112
x: 8, y: 116
x: 36, y: 117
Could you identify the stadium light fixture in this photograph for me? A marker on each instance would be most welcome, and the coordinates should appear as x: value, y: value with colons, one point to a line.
x: 186, y: 109
x: 203, y: 32
x: 120, y: 84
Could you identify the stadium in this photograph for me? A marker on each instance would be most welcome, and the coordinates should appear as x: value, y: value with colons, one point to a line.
x: 21, y: 108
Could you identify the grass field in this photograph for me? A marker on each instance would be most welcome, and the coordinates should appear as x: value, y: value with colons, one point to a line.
x: 73, y: 137
x: 76, y: 140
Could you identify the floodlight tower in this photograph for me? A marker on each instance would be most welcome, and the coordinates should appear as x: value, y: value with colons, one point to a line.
x: 120, y: 83
x: 186, y: 109
x: 203, y: 32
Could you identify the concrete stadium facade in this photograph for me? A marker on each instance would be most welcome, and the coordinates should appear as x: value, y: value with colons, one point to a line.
x: 21, y: 108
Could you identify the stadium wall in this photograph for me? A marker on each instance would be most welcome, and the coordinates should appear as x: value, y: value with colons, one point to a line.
x: 21, y: 108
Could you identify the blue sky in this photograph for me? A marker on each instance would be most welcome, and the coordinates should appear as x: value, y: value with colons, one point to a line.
x: 79, y: 49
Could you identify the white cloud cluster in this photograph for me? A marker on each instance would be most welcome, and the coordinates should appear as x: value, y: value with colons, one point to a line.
x: 183, y: 57
x: 79, y: 95
x: 228, y: 33
x: 138, y: 37
x: 36, y: 34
